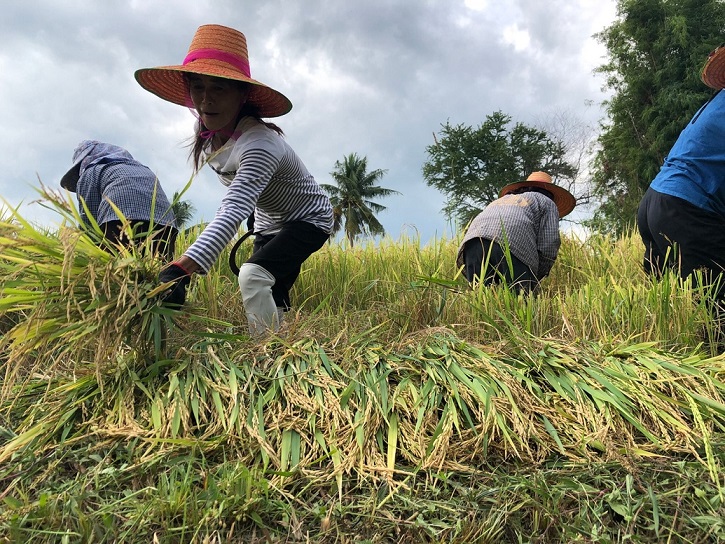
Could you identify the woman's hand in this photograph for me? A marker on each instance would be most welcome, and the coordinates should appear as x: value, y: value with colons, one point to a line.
x: 176, y: 294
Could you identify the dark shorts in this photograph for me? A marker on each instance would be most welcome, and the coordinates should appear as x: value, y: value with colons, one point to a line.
x: 483, y: 254
x: 680, y: 236
x: 282, y: 255
x: 163, y: 236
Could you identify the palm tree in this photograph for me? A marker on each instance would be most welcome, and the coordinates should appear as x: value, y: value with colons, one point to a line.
x: 352, y: 197
x: 183, y: 210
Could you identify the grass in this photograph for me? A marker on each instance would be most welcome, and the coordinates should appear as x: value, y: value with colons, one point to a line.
x: 398, y: 405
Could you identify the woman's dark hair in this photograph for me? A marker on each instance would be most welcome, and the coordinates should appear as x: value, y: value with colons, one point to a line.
x: 530, y: 189
x: 200, y: 144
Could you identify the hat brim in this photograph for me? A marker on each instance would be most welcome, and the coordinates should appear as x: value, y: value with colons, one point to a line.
x: 564, y: 200
x: 70, y: 178
x: 168, y: 83
x: 713, y: 73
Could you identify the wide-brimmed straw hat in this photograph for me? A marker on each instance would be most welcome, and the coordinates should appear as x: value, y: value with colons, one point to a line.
x: 713, y: 73
x: 563, y: 199
x: 217, y: 51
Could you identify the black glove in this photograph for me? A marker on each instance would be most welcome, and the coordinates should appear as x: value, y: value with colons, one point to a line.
x: 176, y: 294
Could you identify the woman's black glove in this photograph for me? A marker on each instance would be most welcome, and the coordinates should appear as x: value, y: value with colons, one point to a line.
x: 176, y: 294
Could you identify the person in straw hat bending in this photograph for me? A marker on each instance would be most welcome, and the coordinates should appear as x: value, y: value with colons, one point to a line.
x: 107, y: 178
x: 263, y: 175
x: 522, y: 223
x: 681, y: 217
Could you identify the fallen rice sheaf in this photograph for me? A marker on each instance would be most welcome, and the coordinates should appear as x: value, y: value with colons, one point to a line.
x: 84, y: 322
x: 87, y: 364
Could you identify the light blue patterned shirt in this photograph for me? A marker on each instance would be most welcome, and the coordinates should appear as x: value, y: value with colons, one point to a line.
x: 527, y: 223
x: 109, y: 174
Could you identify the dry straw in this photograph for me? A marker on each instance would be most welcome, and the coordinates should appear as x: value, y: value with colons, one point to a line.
x: 332, y: 412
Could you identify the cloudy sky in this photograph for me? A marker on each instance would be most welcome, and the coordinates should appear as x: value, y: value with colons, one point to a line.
x: 376, y: 78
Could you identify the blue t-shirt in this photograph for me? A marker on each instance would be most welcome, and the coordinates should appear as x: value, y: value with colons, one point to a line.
x: 694, y: 169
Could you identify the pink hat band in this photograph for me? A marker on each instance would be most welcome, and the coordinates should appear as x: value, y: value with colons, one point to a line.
x: 238, y: 62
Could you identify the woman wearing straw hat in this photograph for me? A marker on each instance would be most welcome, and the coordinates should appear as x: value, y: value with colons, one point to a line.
x: 515, y: 239
x: 681, y: 217
x: 264, y: 176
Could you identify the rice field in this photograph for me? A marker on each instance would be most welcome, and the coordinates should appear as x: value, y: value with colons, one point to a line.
x: 396, y: 405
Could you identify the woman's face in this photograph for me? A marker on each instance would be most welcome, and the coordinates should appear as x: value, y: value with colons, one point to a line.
x: 218, y: 101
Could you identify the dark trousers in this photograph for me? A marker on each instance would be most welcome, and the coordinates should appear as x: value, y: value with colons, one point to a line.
x: 682, y: 237
x: 483, y: 254
x: 163, y: 236
x: 282, y: 255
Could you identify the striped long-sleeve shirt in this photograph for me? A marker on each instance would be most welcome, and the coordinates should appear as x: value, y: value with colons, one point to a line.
x: 264, y: 176
x: 527, y: 223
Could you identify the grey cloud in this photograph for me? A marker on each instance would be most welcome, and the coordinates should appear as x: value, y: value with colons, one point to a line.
x: 394, y: 71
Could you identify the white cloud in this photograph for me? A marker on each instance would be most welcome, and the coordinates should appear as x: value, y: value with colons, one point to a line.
x: 515, y: 36
x: 476, y: 5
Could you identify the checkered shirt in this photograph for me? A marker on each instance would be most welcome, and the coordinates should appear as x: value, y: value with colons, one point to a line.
x: 528, y: 223
x: 131, y: 186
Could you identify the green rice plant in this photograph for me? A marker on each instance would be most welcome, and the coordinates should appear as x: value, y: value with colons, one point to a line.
x: 398, y: 404
x: 581, y: 260
x: 597, y: 289
x: 304, y: 414
x: 69, y: 305
x: 366, y: 284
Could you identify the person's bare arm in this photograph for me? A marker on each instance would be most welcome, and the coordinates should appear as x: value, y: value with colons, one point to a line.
x: 187, y: 264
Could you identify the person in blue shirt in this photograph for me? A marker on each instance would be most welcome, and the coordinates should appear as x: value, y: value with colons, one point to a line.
x: 681, y: 217
x: 107, y: 178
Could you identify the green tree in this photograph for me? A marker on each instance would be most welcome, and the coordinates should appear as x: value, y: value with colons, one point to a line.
x: 656, y: 51
x: 351, y: 198
x: 183, y: 210
x: 470, y: 165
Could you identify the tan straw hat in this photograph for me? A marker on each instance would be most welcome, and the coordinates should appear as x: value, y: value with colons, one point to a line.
x: 563, y: 199
x: 217, y: 51
x: 713, y: 74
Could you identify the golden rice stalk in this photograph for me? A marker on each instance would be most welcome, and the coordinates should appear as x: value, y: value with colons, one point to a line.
x: 66, y: 305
